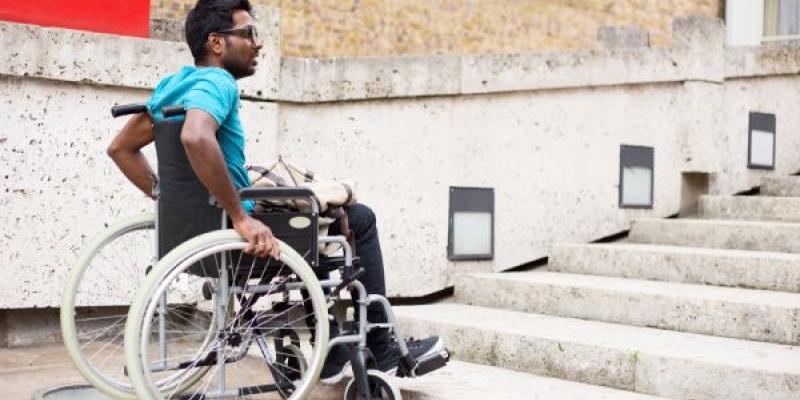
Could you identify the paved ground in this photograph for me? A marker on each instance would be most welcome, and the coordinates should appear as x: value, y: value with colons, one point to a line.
x: 26, y: 371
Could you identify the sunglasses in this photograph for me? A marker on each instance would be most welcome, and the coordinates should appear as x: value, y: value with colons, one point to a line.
x: 248, y: 32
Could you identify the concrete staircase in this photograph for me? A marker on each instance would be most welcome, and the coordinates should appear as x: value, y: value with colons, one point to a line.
x: 685, y: 309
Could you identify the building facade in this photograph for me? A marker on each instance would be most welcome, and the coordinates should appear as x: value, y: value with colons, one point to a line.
x: 361, y: 28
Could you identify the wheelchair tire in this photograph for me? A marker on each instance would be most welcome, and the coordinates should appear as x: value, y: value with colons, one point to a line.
x: 134, y: 231
x: 380, y: 384
x: 94, y: 352
x: 175, y: 278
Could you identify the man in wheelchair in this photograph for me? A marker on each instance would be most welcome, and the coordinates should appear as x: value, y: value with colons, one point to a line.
x: 225, y: 46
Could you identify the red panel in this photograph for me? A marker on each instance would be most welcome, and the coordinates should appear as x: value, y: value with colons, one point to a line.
x: 122, y: 17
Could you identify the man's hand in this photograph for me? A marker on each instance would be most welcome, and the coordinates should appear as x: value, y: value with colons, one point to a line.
x: 259, y: 237
x: 202, y: 148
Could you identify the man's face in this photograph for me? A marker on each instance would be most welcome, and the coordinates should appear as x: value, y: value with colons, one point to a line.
x: 240, y: 52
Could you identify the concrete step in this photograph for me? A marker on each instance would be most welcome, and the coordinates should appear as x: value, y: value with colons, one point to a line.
x: 712, y: 310
x: 461, y: 380
x: 756, y: 208
x: 645, y: 360
x: 742, y: 235
x: 722, y: 267
x: 781, y: 186
x: 467, y: 381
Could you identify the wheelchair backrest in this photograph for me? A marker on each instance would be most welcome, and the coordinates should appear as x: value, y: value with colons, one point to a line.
x: 185, y: 208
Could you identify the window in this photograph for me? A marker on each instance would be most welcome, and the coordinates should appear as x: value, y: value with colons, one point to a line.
x: 781, y: 20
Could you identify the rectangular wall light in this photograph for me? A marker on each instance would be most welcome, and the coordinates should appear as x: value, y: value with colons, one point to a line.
x: 471, y: 224
x: 636, y: 177
x: 761, y: 141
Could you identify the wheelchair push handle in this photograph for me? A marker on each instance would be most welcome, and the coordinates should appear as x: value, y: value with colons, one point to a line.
x: 126, y: 109
x: 136, y: 108
x: 173, y: 111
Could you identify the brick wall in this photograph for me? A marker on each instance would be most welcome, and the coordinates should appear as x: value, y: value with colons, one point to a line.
x: 346, y: 28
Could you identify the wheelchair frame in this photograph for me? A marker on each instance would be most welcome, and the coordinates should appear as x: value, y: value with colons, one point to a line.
x: 361, y: 359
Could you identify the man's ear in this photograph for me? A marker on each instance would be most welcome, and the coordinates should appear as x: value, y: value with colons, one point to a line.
x: 215, y: 44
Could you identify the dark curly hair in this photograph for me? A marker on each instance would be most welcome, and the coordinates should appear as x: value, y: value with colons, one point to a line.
x: 209, y: 16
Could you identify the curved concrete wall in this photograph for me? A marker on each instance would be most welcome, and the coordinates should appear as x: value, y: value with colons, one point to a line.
x: 544, y: 130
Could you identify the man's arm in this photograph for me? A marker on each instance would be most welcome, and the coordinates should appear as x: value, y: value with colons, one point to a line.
x: 200, y: 142
x: 125, y: 150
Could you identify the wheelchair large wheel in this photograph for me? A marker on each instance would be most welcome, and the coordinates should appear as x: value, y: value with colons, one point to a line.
x: 105, y: 278
x: 94, y: 310
x: 257, y: 302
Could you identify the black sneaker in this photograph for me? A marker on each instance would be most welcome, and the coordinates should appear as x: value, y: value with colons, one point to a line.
x: 388, y: 357
x: 335, y: 364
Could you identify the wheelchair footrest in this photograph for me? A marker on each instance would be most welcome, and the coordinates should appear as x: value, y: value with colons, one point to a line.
x: 426, y: 364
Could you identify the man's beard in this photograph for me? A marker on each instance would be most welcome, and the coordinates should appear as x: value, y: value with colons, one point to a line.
x: 239, y: 69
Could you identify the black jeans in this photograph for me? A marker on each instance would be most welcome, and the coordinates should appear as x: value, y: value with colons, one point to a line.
x: 362, y: 222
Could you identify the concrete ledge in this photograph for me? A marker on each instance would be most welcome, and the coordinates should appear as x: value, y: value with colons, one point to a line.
x: 652, y: 361
x: 788, y: 186
x: 79, y: 56
x: 738, y: 268
x: 312, y: 80
x: 743, y: 235
x: 87, y: 57
x: 786, y: 209
x: 768, y: 59
x: 316, y: 80
x: 730, y: 312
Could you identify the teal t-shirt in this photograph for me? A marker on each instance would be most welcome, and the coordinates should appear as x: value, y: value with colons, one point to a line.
x: 214, y: 91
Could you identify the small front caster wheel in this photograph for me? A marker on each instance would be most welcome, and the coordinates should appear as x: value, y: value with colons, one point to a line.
x: 381, y: 387
x: 292, y: 362
x: 290, y: 367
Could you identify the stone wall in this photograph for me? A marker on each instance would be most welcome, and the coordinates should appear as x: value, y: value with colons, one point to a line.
x: 355, y: 28
x: 542, y: 129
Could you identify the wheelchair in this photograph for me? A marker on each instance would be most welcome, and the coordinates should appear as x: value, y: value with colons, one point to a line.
x: 207, y: 320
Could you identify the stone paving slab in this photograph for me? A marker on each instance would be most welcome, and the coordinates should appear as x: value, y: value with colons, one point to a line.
x: 720, y: 234
x: 721, y: 267
x: 755, y: 208
x: 730, y: 312
x: 26, y: 371
x: 652, y: 361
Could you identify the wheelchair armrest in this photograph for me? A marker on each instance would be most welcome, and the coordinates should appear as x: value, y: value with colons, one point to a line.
x: 283, y: 193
